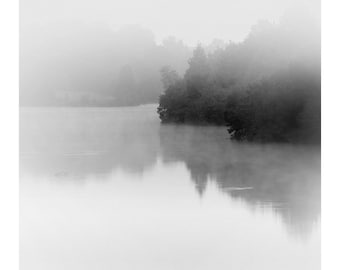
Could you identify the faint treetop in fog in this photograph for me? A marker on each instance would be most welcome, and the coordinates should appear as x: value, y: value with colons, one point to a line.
x: 169, y: 76
x: 198, y: 65
x: 216, y: 44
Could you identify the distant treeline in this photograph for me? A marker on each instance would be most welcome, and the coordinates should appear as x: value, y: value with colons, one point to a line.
x: 266, y: 88
x: 78, y: 64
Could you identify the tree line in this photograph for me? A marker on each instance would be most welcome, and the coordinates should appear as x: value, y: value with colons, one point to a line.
x: 266, y: 88
x: 78, y: 64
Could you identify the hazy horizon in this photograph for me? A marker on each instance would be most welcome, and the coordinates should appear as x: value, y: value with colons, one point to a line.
x: 72, y: 53
x: 190, y: 21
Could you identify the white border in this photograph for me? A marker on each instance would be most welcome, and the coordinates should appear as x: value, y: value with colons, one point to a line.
x: 9, y: 180
x: 330, y: 135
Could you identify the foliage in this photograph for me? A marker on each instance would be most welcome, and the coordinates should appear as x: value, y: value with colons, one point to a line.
x: 266, y: 88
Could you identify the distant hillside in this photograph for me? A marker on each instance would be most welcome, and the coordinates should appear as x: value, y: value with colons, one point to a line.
x: 77, y: 64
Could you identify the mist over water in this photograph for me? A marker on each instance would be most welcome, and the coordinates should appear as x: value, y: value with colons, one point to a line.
x: 112, y: 188
x: 110, y: 180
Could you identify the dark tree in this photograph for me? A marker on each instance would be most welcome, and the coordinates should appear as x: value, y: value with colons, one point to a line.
x: 266, y: 88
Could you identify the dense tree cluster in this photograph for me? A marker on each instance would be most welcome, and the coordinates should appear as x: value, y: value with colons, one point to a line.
x: 266, y: 88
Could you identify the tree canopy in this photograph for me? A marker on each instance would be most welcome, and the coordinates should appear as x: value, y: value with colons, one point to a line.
x: 266, y: 88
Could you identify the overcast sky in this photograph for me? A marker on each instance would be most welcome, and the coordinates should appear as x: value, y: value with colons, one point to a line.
x: 192, y: 21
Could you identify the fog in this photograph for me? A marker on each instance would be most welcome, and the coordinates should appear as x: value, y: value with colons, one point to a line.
x: 109, y: 53
x: 112, y: 187
x: 191, y: 21
x: 170, y: 134
x: 78, y: 58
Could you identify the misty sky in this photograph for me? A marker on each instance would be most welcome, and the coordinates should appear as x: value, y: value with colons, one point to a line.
x: 192, y: 21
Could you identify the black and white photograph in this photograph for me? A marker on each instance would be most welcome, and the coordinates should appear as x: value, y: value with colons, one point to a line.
x: 169, y: 135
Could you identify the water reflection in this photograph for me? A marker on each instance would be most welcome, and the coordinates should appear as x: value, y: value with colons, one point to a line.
x: 285, y: 178
x: 78, y: 143
x: 75, y: 142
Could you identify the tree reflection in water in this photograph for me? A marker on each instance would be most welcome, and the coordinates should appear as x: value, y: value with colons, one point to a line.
x: 283, y: 177
x: 76, y: 143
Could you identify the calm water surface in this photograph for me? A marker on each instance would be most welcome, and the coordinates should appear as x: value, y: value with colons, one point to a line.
x: 112, y: 188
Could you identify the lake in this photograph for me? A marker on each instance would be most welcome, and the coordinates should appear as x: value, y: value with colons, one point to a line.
x: 112, y: 188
